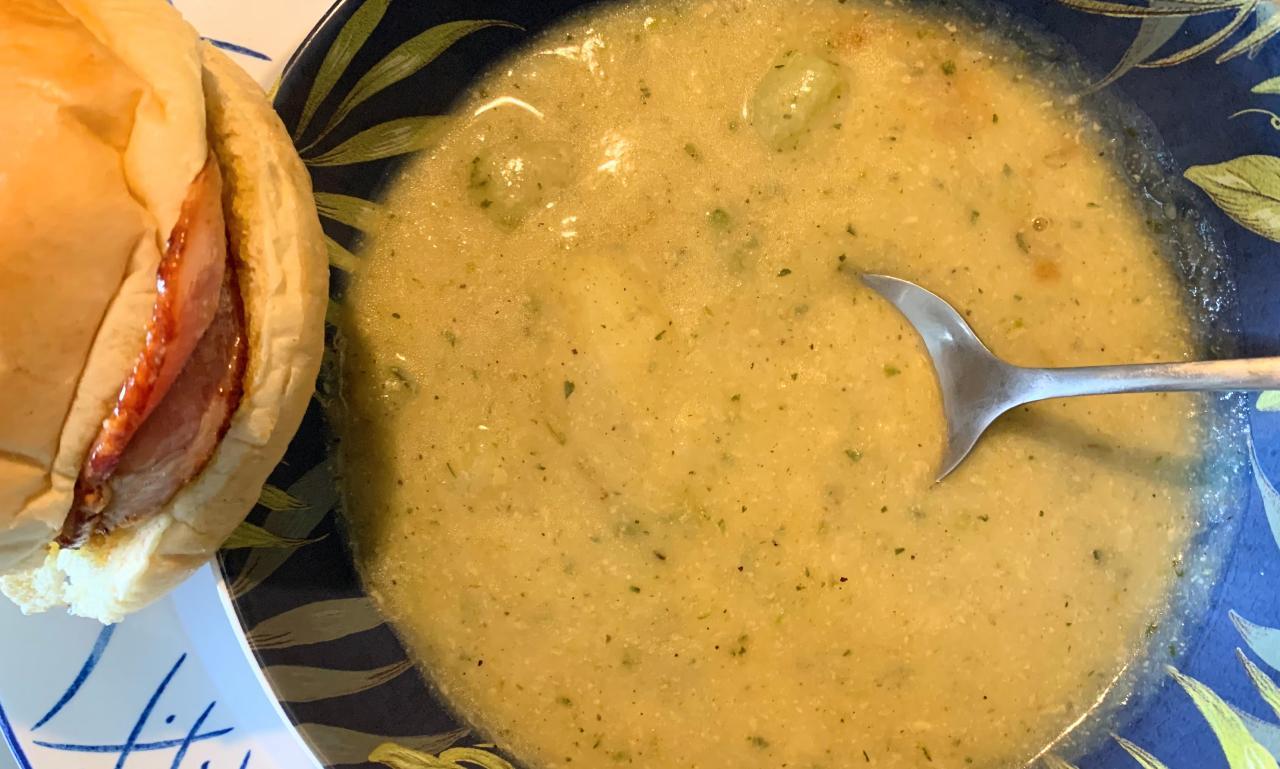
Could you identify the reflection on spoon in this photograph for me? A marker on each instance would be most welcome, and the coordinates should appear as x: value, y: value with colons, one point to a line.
x: 977, y: 387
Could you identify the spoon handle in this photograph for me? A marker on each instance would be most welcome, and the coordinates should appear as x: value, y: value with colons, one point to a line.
x: 1215, y: 375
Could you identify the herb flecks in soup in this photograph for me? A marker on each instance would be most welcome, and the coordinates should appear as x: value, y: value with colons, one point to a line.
x: 642, y: 472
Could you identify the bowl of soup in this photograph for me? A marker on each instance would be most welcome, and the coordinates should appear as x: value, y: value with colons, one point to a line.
x: 615, y: 462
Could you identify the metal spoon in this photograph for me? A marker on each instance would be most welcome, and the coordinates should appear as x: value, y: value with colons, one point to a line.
x: 977, y: 386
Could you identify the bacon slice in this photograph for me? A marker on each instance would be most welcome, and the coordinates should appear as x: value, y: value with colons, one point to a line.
x: 179, y: 438
x: 189, y: 282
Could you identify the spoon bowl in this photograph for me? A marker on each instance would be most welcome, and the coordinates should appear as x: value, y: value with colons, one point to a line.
x: 977, y: 387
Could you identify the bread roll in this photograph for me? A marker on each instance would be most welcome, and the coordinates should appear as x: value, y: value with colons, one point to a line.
x: 114, y: 106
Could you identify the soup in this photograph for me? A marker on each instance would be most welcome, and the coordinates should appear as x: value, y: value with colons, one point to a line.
x: 644, y: 475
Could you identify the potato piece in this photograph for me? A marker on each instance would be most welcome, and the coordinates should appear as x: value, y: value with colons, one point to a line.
x: 797, y: 90
x: 510, y: 180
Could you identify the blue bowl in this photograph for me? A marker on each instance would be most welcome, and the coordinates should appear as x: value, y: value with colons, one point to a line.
x: 1204, y: 71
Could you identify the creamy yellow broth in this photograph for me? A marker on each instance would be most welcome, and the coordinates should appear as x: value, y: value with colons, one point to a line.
x: 643, y: 474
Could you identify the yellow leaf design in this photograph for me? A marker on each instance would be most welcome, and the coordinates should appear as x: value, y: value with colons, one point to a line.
x: 249, y: 535
x: 1161, y: 20
x: 394, y: 137
x: 407, y: 58
x: 1153, y: 33
x: 274, y: 89
x: 1264, y: 733
x: 1270, y: 85
x: 358, y: 213
x: 339, y: 256
x: 1246, y: 188
x: 338, y: 746
x: 399, y: 757
x: 316, y: 488
x: 1209, y: 43
x: 351, y: 39
x: 1144, y: 758
x: 302, y: 683
x: 1267, y: 28
x: 1270, y: 506
x: 1126, y: 11
x: 1269, y: 400
x: 333, y: 313
x: 474, y: 757
x: 1241, y: 750
x: 1051, y: 761
x: 1262, y: 682
x: 1262, y: 640
x: 276, y: 498
x: 317, y: 622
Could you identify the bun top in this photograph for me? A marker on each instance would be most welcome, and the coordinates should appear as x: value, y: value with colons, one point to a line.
x: 104, y: 123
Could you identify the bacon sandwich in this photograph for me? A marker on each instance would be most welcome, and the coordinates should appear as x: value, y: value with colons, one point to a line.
x: 163, y: 284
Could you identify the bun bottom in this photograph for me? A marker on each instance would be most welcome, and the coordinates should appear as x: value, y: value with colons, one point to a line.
x: 106, y: 580
x: 276, y: 241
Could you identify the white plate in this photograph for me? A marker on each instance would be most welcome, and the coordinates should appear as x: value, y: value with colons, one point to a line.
x: 173, y: 686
